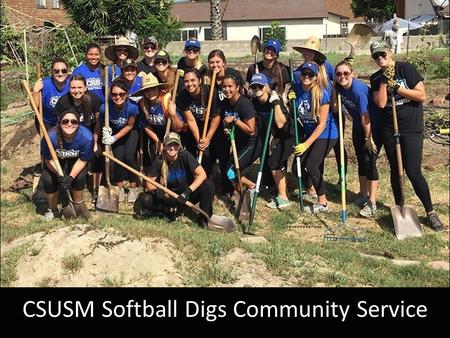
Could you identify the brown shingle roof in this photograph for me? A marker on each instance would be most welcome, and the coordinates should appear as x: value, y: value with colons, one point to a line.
x: 194, y: 11
x: 343, y: 9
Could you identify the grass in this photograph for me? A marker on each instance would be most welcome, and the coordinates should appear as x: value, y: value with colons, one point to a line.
x: 72, y: 263
x: 9, y: 264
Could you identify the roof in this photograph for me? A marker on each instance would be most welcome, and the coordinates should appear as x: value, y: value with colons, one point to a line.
x: 251, y: 10
x: 343, y: 9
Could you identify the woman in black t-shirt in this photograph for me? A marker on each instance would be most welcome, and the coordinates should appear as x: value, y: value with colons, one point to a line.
x: 180, y: 172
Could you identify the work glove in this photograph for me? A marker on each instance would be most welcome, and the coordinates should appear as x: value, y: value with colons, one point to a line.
x: 108, y: 140
x: 301, y: 148
x: 370, y: 145
x: 292, y: 96
x: 392, y: 86
x: 106, y: 132
x: 388, y: 73
x: 274, y: 99
x: 184, y: 196
x: 180, y: 72
x: 64, y: 182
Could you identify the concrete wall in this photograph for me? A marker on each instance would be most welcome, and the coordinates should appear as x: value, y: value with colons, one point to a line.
x: 337, y: 45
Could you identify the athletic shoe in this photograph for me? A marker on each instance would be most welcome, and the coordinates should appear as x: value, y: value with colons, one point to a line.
x: 361, y: 201
x: 51, y: 214
x: 121, y: 194
x: 317, y: 208
x: 435, y: 223
x: 278, y: 203
x: 369, y: 210
x: 133, y: 194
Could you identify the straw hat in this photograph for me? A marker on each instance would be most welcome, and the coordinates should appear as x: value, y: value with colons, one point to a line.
x: 149, y: 81
x: 312, y: 44
x: 133, y: 53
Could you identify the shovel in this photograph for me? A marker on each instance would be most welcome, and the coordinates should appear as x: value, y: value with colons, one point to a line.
x: 358, y: 37
x: 242, y: 196
x: 108, y: 197
x: 215, y: 222
x: 406, y: 221
x: 72, y: 210
x: 255, y: 47
x: 208, y: 110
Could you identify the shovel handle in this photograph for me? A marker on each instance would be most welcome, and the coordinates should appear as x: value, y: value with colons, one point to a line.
x: 174, y: 96
x: 398, y: 150
x: 107, y: 147
x: 38, y: 76
x: 341, y: 157
x: 208, y: 111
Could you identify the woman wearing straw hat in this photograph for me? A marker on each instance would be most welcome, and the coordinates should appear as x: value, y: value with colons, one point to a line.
x: 117, y: 54
x: 154, y: 112
x: 311, y: 52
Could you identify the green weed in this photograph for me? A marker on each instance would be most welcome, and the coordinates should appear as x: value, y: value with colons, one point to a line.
x: 72, y: 263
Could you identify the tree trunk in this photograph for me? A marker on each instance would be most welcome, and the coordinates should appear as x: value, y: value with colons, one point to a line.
x: 216, y: 21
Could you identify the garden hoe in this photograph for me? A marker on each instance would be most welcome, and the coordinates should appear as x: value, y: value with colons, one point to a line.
x: 215, y: 222
x: 358, y: 37
x: 208, y: 110
x: 342, y: 231
x: 406, y: 222
x: 73, y: 209
x: 108, y: 197
x: 242, y: 197
x: 37, y: 177
x: 255, y: 47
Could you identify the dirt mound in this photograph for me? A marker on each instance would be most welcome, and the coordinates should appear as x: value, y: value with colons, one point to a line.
x: 83, y: 256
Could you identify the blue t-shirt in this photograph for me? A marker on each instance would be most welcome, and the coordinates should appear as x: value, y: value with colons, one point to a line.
x: 93, y: 78
x: 119, y: 119
x: 358, y: 100
x: 304, y: 109
x: 82, y: 146
x: 117, y: 72
x: 50, y: 96
x: 329, y: 68
x: 135, y: 86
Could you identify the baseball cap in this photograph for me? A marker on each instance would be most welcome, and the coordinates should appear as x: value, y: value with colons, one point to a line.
x: 260, y: 79
x: 172, y: 137
x: 149, y: 40
x: 378, y: 46
x: 311, y: 66
x: 162, y: 54
x: 276, y: 44
x: 129, y: 62
x: 192, y: 43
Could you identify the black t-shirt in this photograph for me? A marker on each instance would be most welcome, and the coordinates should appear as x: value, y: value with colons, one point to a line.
x: 285, y: 71
x: 182, y: 65
x: 143, y: 66
x: 245, y: 111
x: 409, y: 113
x: 87, y: 110
x: 263, y: 113
x: 180, y: 85
x: 181, y: 172
x: 235, y: 73
x: 186, y: 102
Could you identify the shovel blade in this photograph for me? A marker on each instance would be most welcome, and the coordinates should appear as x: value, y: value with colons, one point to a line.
x: 108, y: 199
x: 221, y: 223
x: 406, y: 222
x: 69, y: 211
x: 360, y: 35
x: 243, y: 206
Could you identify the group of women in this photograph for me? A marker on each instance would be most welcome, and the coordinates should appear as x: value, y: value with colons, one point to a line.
x: 178, y: 122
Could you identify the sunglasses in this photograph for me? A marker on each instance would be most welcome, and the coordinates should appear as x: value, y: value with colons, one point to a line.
x: 121, y: 95
x: 256, y: 86
x: 73, y: 122
x: 376, y: 55
x: 173, y: 145
x: 308, y: 74
x: 57, y: 71
x: 121, y: 49
x: 161, y: 61
x: 195, y: 50
x: 346, y: 74
x: 153, y: 47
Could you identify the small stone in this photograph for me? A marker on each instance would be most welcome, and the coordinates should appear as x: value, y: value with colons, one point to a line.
x: 254, y: 239
x: 17, y: 104
x: 438, y: 101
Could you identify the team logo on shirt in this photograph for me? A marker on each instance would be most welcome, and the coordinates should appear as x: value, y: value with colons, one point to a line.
x: 53, y: 101
x: 198, y: 111
x: 94, y: 83
x: 119, y: 122
x: 67, y: 153
x: 304, y: 108
x: 399, y: 100
x: 230, y: 113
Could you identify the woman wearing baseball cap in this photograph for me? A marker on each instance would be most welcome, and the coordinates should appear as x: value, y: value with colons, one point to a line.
x: 150, y: 47
x: 320, y: 132
x: 164, y: 71
x: 192, y: 57
x: 402, y: 81
x: 179, y: 171
x: 130, y: 77
x: 275, y: 71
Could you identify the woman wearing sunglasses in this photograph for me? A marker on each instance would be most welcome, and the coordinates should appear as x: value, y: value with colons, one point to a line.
x: 73, y: 144
x: 92, y: 70
x: 192, y: 57
x: 150, y: 47
x: 180, y: 172
x: 165, y: 73
x: 51, y: 88
x: 121, y: 136
x: 320, y: 132
x: 153, y: 117
x: 402, y: 81
x: 366, y: 135
x: 117, y: 54
x: 283, y: 136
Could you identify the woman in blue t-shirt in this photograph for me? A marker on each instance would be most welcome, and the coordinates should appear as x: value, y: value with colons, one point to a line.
x: 357, y: 100
x: 131, y: 78
x: 51, y: 88
x: 121, y: 136
x: 320, y: 130
x: 73, y: 144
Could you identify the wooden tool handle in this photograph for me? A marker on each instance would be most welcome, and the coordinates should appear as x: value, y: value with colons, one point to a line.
x: 208, y: 110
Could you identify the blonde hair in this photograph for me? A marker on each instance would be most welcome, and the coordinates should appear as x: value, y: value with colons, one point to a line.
x: 165, y: 168
x: 316, y: 94
x: 324, y: 76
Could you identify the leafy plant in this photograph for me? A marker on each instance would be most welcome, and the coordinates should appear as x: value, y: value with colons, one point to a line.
x: 276, y: 32
x: 381, y: 10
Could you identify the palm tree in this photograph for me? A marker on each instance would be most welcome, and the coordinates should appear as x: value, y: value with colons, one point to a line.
x: 216, y: 20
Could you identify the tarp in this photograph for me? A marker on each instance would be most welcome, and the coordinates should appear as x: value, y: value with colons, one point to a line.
x: 387, y: 26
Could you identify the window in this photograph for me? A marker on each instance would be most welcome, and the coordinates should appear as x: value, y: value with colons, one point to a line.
x: 41, y: 4
x: 55, y: 4
x: 344, y: 28
x: 187, y: 34
x: 264, y: 32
